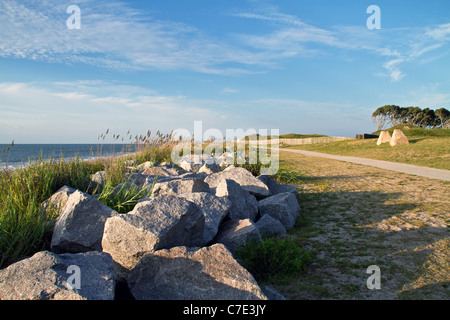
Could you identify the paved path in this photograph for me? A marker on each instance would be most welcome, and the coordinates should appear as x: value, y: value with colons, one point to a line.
x: 393, y: 166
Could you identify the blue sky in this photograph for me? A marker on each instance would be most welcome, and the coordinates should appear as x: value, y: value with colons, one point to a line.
x: 300, y: 66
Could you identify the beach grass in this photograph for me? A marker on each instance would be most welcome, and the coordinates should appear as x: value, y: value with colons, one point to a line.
x: 23, y: 225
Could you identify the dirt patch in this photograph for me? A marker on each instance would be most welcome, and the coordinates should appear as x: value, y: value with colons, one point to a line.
x: 358, y: 216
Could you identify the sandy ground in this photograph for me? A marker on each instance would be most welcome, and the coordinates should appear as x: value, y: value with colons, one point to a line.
x: 357, y: 216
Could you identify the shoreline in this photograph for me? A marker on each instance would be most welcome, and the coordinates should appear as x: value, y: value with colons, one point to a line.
x: 22, y: 165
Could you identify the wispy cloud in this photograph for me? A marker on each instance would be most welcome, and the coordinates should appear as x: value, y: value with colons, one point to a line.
x: 65, y: 113
x: 116, y: 37
x: 229, y: 90
x: 293, y: 37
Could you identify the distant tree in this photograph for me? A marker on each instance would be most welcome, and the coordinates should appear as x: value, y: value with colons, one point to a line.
x: 426, y: 118
x: 379, y: 118
x: 444, y: 117
x: 413, y: 114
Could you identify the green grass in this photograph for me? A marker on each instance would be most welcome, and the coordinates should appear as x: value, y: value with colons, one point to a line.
x: 300, y: 136
x: 273, y: 258
x: 123, y: 198
x: 427, y: 151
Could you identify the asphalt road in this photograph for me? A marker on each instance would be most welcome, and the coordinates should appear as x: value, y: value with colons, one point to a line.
x: 431, y: 173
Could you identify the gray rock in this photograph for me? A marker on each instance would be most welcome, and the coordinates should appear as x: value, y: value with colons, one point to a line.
x: 147, y: 165
x: 80, y: 226
x: 215, y: 209
x: 283, y: 207
x: 209, y: 168
x: 181, y: 273
x: 45, y: 276
x: 244, y: 205
x: 191, y: 163
x: 163, y: 171
x: 199, y: 175
x: 178, y: 186
x: 275, y: 187
x: 155, y: 223
x: 269, y: 226
x: 241, y: 176
x: 54, y: 205
x: 138, y: 179
x: 235, y: 233
x: 99, y: 178
x: 271, y: 293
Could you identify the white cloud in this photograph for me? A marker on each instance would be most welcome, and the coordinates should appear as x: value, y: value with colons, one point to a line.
x: 59, y: 113
x: 113, y: 35
x: 440, y: 33
x: 229, y: 90
x: 32, y: 110
x: 293, y: 38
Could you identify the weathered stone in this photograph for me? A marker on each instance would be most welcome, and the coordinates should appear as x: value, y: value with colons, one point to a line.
x: 269, y: 226
x: 46, y: 276
x: 175, y: 187
x: 80, y: 226
x: 155, y: 223
x: 384, y: 137
x: 209, y: 273
x: 215, y: 209
x: 156, y: 171
x: 99, y: 178
x: 147, y: 165
x: 235, y: 233
x: 271, y: 293
x: 398, y: 138
x: 209, y: 168
x: 275, y: 187
x: 283, y: 207
x: 138, y: 179
x: 241, y: 176
x: 54, y: 205
x: 244, y: 205
x: 191, y: 163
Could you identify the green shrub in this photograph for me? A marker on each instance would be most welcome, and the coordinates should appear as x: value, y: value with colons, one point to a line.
x: 286, y: 176
x: 125, y: 198
x: 273, y: 258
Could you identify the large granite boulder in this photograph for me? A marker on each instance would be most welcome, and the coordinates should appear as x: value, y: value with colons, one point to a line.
x: 99, y: 178
x: 180, y: 273
x: 283, y: 207
x: 269, y: 226
x: 215, y: 209
x: 275, y: 187
x: 80, y: 226
x: 191, y: 163
x: 241, y: 176
x: 155, y: 223
x: 244, y: 205
x: 54, y: 205
x: 180, y: 186
x: 236, y: 233
x: 49, y: 276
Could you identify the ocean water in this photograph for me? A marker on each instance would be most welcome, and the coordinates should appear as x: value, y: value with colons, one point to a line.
x: 19, y: 155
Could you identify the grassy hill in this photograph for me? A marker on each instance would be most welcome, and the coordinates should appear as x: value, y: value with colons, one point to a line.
x: 300, y: 136
x: 293, y: 136
x: 428, y: 148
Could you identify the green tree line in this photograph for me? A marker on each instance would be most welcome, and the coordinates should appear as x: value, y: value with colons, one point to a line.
x: 424, y: 118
